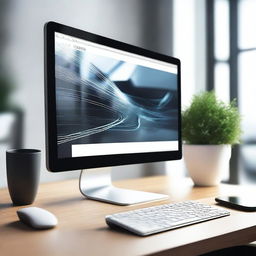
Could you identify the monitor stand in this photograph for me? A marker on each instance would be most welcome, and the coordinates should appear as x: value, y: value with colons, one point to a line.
x: 96, y: 184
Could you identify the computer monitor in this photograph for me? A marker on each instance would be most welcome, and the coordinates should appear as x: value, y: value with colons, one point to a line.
x: 108, y: 103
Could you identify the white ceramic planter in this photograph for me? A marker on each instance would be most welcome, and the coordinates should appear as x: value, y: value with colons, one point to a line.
x: 7, y: 120
x: 206, y: 163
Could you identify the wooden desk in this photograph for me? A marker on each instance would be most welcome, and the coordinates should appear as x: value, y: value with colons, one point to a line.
x: 82, y: 229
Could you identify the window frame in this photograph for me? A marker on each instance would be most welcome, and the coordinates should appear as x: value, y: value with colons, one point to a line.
x: 232, y: 61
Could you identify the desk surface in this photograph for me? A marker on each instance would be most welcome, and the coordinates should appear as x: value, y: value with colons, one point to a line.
x: 82, y: 229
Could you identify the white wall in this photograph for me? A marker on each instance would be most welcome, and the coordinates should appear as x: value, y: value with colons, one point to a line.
x: 140, y: 22
x: 129, y: 21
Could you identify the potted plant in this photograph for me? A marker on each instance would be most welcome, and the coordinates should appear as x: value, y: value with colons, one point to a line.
x: 209, y: 128
x: 5, y: 91
x: 11, y: 117
x: 6, y: 118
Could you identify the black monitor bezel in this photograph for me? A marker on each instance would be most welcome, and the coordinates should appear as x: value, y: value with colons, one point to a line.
x: 56, y: 164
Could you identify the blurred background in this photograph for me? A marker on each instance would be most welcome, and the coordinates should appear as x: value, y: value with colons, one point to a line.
x: 215, y: 40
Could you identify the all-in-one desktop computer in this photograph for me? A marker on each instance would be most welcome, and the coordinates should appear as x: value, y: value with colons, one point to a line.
x: 107, y: 104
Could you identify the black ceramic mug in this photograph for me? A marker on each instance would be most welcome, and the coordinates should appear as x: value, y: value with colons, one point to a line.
x: 23, y: 174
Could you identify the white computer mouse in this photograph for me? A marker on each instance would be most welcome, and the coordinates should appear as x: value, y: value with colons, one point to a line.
x: 37, y: 218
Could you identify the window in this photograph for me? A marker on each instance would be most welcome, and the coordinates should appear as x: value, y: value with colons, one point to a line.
x: 231, y: 62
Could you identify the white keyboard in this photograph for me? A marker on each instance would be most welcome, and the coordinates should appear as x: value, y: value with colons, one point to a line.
x: 147, y: 221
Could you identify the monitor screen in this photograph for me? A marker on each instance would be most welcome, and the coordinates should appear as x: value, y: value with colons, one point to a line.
x: 110, y: 101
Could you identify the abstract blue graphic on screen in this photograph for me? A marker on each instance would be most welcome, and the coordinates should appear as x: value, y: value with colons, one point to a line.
x: 106, y: 100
